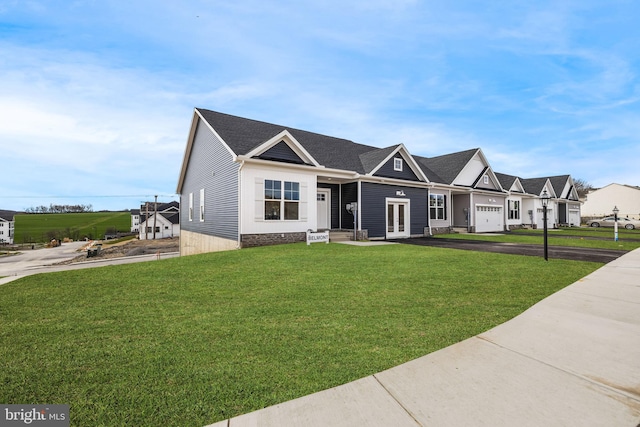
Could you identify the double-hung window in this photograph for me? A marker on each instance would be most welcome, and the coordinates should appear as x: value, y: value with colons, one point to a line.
x: 437, y: 206
x: 514, y: 209
x: 281, y: 200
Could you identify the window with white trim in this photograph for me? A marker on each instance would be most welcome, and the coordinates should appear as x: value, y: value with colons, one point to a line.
x: 281, y: 200
x: 201, y: 204
x: 485, y: 179
x: 190, y: 206
x: 437, y: 206
x: 397, y: 164
x: 514, y: 209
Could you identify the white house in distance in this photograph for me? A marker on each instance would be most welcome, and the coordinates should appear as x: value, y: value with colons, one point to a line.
x: 7, y: 224
x: 600, y: 202
x: 166, y: 221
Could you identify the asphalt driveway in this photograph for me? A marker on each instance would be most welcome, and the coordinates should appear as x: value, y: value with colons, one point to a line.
x: 558, y: 252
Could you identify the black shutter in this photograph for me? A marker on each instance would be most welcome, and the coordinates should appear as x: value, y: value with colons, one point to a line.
x: 445, y: 206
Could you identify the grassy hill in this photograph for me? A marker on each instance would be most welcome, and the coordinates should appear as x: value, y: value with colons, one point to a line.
x: 44, y: 227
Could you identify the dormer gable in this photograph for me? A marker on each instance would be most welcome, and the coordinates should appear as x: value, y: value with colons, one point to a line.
x: 548, y: 187
x: 573, y: 194
x: 477, y: 173
x: 487, y: 180
x: 392, y: 162
x: 516, y: 187
x: 283, y: 147
x: 510, y: 183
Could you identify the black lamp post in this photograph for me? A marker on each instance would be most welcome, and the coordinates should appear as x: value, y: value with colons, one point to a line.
x: 545, y: 202
x: 615, y: 223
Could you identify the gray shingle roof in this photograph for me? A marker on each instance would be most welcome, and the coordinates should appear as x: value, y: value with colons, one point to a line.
x: 533, y: 185
x: 506, y: 181
x: 7, y: 215
x: 448, y: 166
x: 373, y: 158
x: 243, y: 135
x: 558, y: 183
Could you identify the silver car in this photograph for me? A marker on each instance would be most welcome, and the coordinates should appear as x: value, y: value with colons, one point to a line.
x: 609, y: 221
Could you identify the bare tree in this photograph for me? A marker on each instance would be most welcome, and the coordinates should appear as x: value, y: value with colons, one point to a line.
x: 582, y: 187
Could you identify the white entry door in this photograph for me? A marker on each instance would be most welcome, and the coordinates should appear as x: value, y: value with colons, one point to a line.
x: 324, y: 208
x: 398, y: 224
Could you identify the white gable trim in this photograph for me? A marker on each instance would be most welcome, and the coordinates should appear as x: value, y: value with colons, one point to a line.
x: 290, y: 141
x: 492, y: 177
x: 407, y: 157
x: 517, y: 186
x: 547, y: 186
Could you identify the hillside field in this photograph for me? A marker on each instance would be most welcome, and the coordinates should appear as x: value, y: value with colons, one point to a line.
x: 31, y: 228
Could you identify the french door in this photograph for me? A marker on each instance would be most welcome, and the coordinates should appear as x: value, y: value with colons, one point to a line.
x: 398, y: 224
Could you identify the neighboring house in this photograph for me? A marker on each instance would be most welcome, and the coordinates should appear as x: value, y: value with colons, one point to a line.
x: 533, y: 206
x: 249, y: 183
x: 135, y: 220
x: 567, y: 201
x: 600, y: 202
x: 471, y: 192
x: 7, y: 225
x: 517, y: 198
x: 161, y: 224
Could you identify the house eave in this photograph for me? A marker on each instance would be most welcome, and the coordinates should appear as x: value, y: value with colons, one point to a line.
x: 318, y: 170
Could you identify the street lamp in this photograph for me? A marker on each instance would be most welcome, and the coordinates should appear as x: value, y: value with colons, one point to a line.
x: 615, y: 223
x: 545, y: 202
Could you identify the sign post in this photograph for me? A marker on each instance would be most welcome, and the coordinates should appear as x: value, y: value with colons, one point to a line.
x: 320, y: 237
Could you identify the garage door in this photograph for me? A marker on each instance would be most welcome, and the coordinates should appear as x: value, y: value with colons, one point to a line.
x: 550, y: 220
x: 489, y: 218
x: 574, y: 217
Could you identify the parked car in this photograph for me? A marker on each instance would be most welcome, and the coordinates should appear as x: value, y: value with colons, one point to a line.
x: 609, y: 221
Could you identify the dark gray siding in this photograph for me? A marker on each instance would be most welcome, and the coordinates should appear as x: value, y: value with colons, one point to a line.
x: 210, y: 167
x: 387, y: 171
x: 281, y: 152
x: 335, y: 203
x: 349, y: 195
x: 374, y: 209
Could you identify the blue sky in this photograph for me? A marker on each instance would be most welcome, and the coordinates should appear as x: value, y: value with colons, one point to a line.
x: 96, y: 97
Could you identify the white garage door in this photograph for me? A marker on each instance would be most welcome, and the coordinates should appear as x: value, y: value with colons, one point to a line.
x: 550, y: 221
x: 574, y: 217
x: 489, y: 218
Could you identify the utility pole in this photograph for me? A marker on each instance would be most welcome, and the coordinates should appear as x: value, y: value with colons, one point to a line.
x: 155, y: 217
x: 146, y: 221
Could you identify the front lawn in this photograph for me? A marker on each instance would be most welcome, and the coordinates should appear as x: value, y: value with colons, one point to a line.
x: 193, y: 340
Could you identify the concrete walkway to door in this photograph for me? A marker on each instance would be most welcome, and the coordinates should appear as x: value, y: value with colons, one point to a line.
x: 573, y: 359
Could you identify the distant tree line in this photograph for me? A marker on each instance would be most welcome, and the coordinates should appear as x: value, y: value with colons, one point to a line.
x: 59, y: 209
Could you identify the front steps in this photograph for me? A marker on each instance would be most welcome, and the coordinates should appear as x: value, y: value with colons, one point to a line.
x: 340, y: 236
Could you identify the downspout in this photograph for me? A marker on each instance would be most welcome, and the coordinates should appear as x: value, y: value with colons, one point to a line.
x: 358, y: 224
x: 429, y: 209
x: 471, y: 212
x: 239, y: 204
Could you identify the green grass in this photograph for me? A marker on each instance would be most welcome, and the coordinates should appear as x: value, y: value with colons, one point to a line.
x: 193, y: 340
x: 575, y: 237
x: 41, y: 227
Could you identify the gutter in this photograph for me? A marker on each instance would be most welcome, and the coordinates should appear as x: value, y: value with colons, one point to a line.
x: 239, y: 203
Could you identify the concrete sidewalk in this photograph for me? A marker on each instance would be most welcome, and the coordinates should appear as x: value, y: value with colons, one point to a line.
x: 571, y: 360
